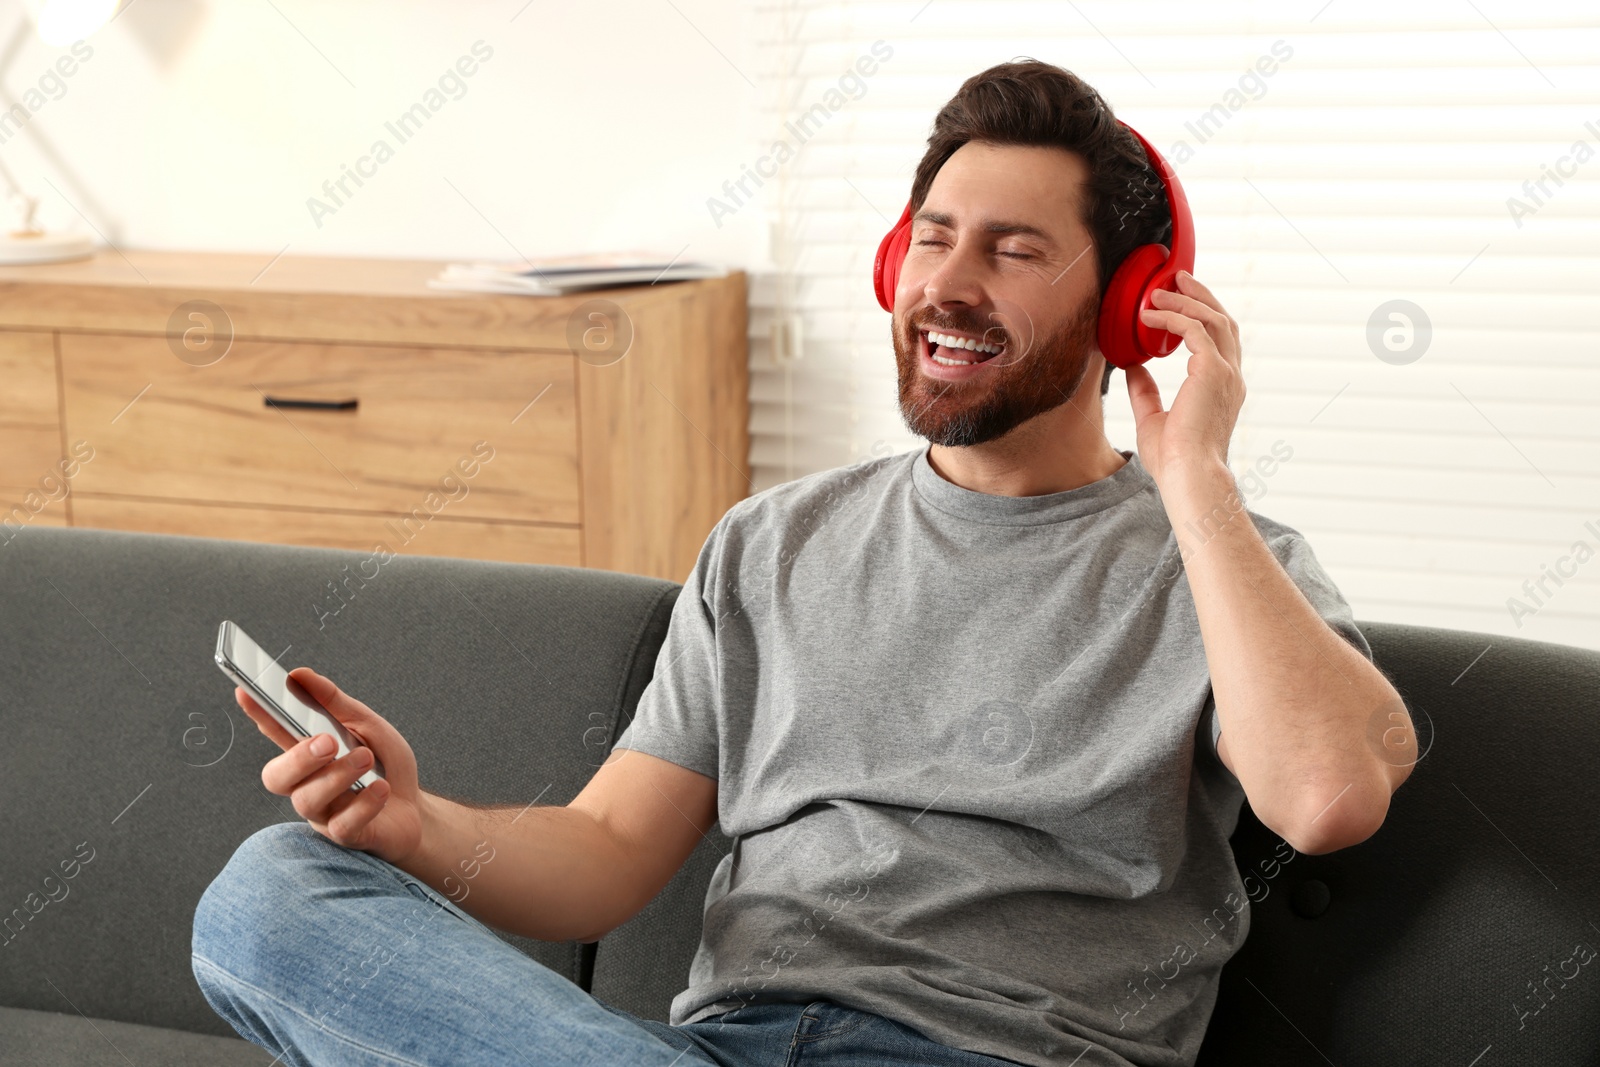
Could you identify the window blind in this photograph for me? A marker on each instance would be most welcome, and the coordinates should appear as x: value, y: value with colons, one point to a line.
x: 1402, y: 215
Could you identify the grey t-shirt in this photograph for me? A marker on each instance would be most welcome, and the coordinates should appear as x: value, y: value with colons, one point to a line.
x: 965, y: 749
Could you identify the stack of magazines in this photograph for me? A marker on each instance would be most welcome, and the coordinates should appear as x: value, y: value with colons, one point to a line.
x: 554, y: 277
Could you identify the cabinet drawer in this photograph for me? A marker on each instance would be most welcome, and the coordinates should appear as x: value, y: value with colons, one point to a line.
x: 161, y: 427
x: 439, y: 536
x: 30, y: 437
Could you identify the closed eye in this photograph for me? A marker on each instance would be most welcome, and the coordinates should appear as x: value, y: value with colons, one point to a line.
x: 928, y: 241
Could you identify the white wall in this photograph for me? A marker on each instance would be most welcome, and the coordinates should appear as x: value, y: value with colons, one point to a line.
x: 608, y: 124
x: 207, y: 125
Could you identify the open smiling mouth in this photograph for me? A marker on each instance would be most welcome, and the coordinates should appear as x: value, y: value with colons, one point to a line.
x: 953, y: 350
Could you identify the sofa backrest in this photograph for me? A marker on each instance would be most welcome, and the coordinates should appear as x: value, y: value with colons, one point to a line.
x: 1447, y: 933
x: 1462, y: 925
x: 127, y: 760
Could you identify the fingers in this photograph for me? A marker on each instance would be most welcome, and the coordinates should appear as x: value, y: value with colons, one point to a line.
x: 1143, y: 392
x: 350, y: 815
x: 285, y: 771
x: 1199, y: 302
x: 314, y: 795
x: 1217, y: 324
x: 318, y: 786
x: 1192, y: 286
x: 366, y: 724
x: 264, y: 722
x: 1195, y: 334
x: 339, y: 704
x: 1191, y: 330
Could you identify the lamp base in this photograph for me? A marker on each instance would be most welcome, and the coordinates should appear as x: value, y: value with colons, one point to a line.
x: 44, y: 247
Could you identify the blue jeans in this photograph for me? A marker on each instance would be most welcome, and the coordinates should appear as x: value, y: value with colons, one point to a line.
x: 324, y: 955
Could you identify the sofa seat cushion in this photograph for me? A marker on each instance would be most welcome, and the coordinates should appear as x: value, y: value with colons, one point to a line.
x: 46, y: 1038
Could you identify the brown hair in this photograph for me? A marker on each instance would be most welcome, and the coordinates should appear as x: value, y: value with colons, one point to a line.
x: 1029, y: 102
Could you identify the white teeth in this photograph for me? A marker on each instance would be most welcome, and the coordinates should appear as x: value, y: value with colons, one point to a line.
x: 944, y: 340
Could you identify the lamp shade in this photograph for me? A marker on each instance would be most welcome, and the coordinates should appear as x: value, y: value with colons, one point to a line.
x: 62, y: 22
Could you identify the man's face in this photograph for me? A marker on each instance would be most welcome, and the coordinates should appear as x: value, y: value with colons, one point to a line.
x: 998, y: 257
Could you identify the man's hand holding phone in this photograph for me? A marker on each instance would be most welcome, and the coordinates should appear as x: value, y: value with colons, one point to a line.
x: 568, y: 872
x: 383, y: 818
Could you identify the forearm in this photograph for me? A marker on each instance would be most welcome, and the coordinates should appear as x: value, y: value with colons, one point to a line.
x: 1297, y: 703
x: 551, y: 873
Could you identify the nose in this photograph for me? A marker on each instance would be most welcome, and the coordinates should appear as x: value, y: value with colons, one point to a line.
x: 955, y: 282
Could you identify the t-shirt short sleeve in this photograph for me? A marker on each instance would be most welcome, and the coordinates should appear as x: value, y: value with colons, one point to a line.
x: 1300, y: 562
x: 676, y: 719
x: 1294, y: 552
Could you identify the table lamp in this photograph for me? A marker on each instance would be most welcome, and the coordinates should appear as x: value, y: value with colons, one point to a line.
x: 59, y: 22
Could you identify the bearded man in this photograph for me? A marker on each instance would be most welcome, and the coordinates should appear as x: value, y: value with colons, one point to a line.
x: 978, y: 718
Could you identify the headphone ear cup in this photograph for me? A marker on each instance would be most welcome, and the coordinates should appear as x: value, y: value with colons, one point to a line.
x: 891, y: 254
x: 1123, y: 337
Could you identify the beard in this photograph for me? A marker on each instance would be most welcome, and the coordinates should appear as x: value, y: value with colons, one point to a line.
x: 1045, y: 375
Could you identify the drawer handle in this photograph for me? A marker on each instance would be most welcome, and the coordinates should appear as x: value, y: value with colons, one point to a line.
x: 309, y: 405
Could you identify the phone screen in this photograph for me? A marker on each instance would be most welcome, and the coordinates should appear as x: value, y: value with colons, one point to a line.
x: 248, y: 664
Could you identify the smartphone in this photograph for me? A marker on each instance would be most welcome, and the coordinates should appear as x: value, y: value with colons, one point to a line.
x: 280, y: 696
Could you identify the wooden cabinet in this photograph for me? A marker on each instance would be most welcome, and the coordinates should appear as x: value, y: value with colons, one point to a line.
x: 343, y: 403
x: 208, y: 433
x: 30, y: 427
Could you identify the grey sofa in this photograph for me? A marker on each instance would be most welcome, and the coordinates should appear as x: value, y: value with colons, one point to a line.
x: 126, y: 764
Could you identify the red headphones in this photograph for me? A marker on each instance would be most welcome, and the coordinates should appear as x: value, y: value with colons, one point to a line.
x: 1124, y: 339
